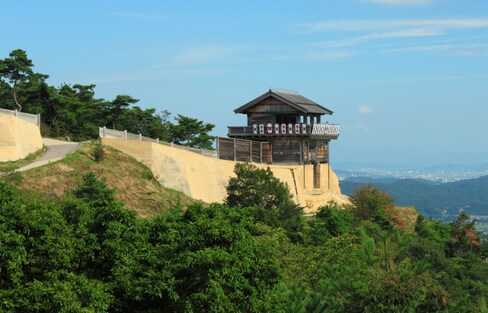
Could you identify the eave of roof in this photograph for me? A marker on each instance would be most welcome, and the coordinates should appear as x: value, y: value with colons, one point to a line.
x: 296, y: 101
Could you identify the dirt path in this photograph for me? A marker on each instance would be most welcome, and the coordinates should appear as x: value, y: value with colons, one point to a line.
x: 56, y: 150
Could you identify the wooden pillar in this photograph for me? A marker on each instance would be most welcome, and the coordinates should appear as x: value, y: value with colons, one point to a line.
x: 301, y: 151
x: 261, y: 152
x: 250, y: 150
x: 316, y: 175
x: 270, y: 142
x: 217, y: 141
x: 328, y: 167
x: 235, y: 150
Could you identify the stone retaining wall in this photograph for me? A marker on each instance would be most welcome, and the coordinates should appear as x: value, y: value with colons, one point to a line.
x: 18, y: 138
x: 206, y: 178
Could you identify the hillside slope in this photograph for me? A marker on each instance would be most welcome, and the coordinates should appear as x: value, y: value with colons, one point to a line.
x: 133, y: 182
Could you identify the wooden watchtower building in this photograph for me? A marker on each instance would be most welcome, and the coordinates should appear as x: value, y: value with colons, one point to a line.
x: 283, y: 128
x: 291, y: 124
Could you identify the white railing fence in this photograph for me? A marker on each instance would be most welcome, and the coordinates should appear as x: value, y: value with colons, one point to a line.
x: 31, y: 118
x: 117, y: 134
x: 325, y: 129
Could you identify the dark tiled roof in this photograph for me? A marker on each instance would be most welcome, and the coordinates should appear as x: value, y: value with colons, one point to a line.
x: 295, y: 100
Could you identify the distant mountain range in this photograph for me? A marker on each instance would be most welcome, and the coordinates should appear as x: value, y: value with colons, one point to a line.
x: 440, y: 173
x: 431, y: 198
x: 356, y: 166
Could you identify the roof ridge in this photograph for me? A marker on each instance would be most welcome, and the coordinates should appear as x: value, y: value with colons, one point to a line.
x: 294, y: 100
x: 290, y: 92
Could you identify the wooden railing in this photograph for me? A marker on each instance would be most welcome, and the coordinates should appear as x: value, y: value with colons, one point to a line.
x: 326, y: 130
x: 240, y: 131
x: 243, y: 150
x: 329, y: 130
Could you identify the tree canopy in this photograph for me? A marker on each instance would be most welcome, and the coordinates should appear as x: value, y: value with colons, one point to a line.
x: 258, y: 188
x: 87, y: 253
x: 16, y: 68
x: 74, y: 111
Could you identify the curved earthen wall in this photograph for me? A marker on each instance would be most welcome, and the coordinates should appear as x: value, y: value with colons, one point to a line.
x: 206, y: 178
x: 18, y: 138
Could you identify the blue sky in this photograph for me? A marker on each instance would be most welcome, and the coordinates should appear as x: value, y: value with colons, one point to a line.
x: 406, y: 79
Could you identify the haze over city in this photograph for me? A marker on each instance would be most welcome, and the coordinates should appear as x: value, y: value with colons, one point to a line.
x: 407, y: 80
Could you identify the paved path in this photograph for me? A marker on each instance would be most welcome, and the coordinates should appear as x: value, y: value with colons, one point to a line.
x: 56, y: 150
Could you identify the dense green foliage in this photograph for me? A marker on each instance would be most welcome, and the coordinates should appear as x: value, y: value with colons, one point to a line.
x: 258, y: 188
x: 267, y: 197
x: 16, y: 69
x: 191, y: 132
x: 372, y: 205
x: 73, y: 110
x: 89, y: 254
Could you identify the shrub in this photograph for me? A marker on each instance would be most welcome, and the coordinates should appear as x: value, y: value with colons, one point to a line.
x: 371, y: 204
x: 94, y: 190
x: 98, y: 153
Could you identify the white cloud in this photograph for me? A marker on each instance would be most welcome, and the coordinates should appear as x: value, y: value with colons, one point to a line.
x: 456, y: 50
x: 401, y: 2
x: 362, y: 127
x: 313, y: 52
x: 140, y: 17
x: 388, y: 25
x: 151, y: 74
x: 388, y: 33
x: 203, y: 54
x: 197, y: 55
x: 313, y: 56
x: 132, y: 15
x: 428, y: 79
x: 383, y: 35
x: 415, y: 32
x: 364, y: 109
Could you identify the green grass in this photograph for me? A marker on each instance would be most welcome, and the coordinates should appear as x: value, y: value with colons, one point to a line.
x: 133, y: 182
x: 10, y: 166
